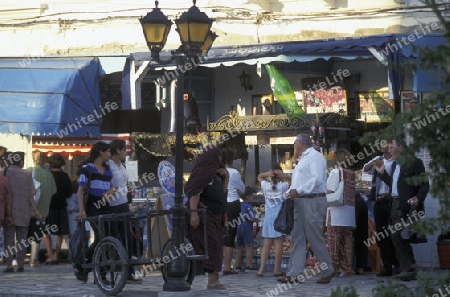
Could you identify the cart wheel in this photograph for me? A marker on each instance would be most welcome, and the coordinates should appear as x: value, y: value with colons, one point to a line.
x: 110, y: 279
x: 192, y: 265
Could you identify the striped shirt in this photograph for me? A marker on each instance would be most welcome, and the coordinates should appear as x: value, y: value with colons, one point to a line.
x: 100, y: 183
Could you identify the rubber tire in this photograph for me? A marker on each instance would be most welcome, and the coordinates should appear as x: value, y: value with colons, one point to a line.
x: 107, y: 243
x: 192, y: 263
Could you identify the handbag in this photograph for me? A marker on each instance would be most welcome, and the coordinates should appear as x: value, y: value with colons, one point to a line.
x: 129, y: 194
x: 36, y: 229
x: 284, y: 222
x: 337, y: 198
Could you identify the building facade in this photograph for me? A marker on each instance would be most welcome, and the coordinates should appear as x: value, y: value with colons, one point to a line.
x: 361, y: 39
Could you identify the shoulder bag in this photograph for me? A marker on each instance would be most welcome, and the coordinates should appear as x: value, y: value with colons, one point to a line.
x: 337, y: 198
x: 284, y: 222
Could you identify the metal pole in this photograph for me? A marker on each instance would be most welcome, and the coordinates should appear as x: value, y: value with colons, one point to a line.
x: 177, y: 268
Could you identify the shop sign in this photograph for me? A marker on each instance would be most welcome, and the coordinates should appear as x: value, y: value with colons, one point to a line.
x: 282, y: 140
x: 375, y: 106
x: 409, y: 101
x: 166, y: 176
x: 251, y: 140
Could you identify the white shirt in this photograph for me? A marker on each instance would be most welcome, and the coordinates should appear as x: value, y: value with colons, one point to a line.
x: 394, y: 180
x: 383, y: 188
x: 333, y: 180
x: 234, y: 183
x: 120, y: 176
x: 309, y: 176
x: 275, y: 196
x: 340, y: 215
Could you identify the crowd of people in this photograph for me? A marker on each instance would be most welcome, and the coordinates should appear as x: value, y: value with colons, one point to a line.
x: 334, y: 234
x: 45, y: 193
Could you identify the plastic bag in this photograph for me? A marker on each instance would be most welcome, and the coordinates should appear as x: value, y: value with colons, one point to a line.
x: 284, y: 222
x: 78, y: 245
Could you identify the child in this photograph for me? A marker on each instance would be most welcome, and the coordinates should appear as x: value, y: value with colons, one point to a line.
x: 244, y: 236
x: 274, y: 194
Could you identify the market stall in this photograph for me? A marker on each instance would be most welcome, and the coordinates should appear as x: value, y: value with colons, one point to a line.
x: 269, y: 139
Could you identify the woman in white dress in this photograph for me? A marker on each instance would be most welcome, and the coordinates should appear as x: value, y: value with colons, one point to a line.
x: 274, y: 194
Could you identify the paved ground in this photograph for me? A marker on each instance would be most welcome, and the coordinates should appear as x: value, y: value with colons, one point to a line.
x: 58, y: 280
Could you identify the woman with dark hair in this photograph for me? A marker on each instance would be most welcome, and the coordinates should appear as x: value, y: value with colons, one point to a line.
x: 119, y: 202
x: 57, y: 213
x: 236, y: 188
x: 95, y: 175
x: 274, y: 191
x: 340, y: 220
x: 207, y: 186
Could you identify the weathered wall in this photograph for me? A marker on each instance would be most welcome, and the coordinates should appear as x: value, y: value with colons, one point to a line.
x: 104, y: 28
x: 18, y: 143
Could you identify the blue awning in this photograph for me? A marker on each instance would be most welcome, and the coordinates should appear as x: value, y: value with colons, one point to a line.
x: 302, y: 51
x: 50, y: 96
x: 349, y: 48
x: 389, y: 49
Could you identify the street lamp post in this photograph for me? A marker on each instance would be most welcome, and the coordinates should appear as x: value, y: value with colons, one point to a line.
x: 196, y: 38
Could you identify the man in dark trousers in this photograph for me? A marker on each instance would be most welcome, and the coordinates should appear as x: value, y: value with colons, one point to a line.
x: 360, y: 234
x: 382, y: 208
x: 404, y: 195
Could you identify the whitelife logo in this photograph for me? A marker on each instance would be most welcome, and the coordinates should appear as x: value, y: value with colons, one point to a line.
x: 393, y: 229
x: 404, y: 41
x: 84, y: 121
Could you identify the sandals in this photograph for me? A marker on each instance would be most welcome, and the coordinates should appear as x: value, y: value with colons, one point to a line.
x: 259, y: 275
x: 51, y: 262
x: 216, y: 287
x: 228, y: 272
x: 279, y: 274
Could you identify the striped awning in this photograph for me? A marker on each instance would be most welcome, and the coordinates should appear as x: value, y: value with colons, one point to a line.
x: 75, y: 146
x: 68, y: 147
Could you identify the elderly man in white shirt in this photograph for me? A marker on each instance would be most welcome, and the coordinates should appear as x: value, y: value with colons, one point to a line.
x: 308, y: 188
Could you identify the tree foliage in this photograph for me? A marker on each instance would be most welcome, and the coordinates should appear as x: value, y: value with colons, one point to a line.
x: 429, y: 123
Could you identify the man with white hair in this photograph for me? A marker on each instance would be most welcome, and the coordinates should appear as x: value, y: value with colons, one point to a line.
x: 308, y: 188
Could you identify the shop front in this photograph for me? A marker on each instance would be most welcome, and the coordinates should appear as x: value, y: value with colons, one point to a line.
x: 345, y: 86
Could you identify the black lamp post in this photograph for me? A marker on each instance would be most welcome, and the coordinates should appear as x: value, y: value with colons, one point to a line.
x: 196, y: 38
